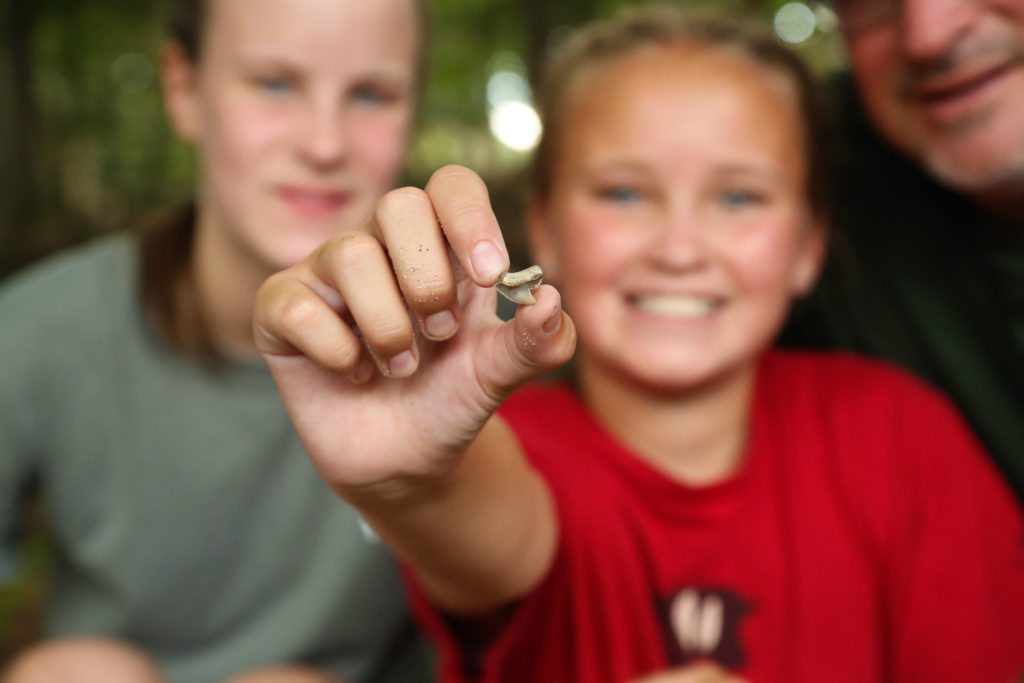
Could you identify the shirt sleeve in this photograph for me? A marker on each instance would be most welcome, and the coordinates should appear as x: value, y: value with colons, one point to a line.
x: 15, y: 450
x: 15, y: 472
x: 956, y: 576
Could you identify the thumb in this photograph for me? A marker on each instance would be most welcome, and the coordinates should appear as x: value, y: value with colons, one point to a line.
x: 539, y: 339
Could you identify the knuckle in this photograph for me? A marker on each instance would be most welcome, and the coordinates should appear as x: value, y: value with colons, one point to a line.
x: 471, y: 213
x: 297, y: 313
x: 426, y: 293
x: 396, y: 204
x: 386, y: 328
x: 352, y: 249
x: 453, y: 171
x: 268, y: 290
x: 344, y: 357
x: 277, y: 282
x: 388, y: 336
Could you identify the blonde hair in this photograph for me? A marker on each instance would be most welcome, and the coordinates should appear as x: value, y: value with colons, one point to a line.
x: 604, y: 41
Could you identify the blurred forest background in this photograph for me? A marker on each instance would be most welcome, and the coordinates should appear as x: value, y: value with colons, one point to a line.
x: 85, y: 149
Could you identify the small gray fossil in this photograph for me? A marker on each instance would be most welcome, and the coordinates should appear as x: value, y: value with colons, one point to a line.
x: 518, y: 287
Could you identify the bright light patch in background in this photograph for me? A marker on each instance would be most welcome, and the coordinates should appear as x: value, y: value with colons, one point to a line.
x: 506, y: 86
x: 513, y: 120
x: 795, y: 22
x: 826, y: 18
x: 516, y: 125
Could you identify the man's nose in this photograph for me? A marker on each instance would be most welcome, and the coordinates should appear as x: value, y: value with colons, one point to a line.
x: 931, y: 28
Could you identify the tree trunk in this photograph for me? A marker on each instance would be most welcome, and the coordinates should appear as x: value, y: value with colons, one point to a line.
x: 18, y: 129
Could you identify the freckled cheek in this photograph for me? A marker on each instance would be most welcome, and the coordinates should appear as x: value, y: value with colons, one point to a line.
x: 585, y: 274
x: 379, y: 146
x: 599, y: 251
x: 246, y: 140
x: 762, y: 265
x: 591, y: 283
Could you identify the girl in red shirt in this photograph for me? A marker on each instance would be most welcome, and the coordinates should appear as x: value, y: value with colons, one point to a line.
x: 693, y: 502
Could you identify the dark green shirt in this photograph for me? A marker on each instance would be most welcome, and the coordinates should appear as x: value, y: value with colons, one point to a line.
x: 921, y: 276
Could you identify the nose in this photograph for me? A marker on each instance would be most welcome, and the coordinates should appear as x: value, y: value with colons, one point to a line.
x: 931, y: 28
x: 679, y: 244
x: 323, y: 137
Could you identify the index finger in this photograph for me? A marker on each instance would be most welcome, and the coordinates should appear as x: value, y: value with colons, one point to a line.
x: 463, y: 207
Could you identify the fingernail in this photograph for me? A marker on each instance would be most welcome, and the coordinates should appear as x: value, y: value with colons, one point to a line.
x: 439, y: 325
x: 488, y: 263
x: 552, y: 324
x: 402, y: 365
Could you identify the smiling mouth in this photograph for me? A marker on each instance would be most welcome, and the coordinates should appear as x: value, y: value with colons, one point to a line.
x: 939, y: 91
x: 312, y: 202
x: 678, y: 306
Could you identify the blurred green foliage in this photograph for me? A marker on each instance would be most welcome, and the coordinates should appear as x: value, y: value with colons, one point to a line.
x: 85, y: 149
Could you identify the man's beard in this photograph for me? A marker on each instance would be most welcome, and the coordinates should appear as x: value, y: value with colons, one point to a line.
x: 998, y: 182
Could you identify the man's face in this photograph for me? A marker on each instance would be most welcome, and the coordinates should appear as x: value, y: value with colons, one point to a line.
x: 944, y: 82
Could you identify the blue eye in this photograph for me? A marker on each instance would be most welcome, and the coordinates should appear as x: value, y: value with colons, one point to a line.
x: 620, y: 193
x: 275, y: 86
x: 371, y: 96
x: 738, y: 199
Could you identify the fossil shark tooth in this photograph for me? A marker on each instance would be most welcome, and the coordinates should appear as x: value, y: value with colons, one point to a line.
x: 518, y: 287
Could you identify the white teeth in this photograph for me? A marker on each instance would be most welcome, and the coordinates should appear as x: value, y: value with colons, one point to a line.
x: 678, y: 306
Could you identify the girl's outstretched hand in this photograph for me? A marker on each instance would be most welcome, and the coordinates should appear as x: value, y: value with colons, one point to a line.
x: 384, y: 342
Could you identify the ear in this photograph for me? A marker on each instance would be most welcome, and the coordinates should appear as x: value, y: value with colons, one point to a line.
x: 179, y: 78
x: 543, y: 249
x: 811, y: 257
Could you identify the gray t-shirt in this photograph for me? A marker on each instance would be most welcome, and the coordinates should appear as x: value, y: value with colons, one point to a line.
x: 185, y: 514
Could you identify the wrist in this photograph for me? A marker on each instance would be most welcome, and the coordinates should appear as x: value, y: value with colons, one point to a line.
x: 404, y: 491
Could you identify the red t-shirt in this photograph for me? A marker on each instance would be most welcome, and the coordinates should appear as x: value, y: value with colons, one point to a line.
x: 865, y: 538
